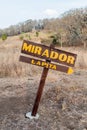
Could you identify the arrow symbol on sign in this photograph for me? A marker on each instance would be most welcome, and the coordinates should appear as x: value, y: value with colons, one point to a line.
x: 70, y: 70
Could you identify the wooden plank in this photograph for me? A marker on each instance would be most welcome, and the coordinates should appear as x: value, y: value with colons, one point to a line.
x: 45, y: 64
x: 46, y: 52
x: 39, y: 92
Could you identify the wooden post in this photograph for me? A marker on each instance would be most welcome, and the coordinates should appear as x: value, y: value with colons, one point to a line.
x: 39, y: 92
x: 26, y: 47
x: 41, y: 86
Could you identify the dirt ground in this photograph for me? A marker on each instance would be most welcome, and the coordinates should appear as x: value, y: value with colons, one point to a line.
x: 63, y: 105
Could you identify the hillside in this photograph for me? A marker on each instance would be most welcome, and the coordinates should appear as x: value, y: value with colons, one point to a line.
x: 64, y: 101
x: 10, y: 65
x: 70, y: 29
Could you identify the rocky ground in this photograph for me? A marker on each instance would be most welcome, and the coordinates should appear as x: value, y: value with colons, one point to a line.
x: 63, y: 105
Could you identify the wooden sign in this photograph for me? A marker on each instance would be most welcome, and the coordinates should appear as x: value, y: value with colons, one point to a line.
x: 45, y: 64
x: 46, y: 52
x: 48, y: 58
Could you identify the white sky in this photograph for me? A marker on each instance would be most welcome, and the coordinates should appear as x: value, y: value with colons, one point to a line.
x: 13, y: 12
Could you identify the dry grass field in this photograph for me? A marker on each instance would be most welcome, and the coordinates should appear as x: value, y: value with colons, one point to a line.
x: 10, y: 52
x: 9, y: 55
x: 64, y: 101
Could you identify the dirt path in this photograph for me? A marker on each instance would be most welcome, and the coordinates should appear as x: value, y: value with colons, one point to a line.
x: 63, y: 105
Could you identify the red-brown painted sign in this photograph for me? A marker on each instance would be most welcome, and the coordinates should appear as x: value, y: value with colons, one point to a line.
x: 46, y: 52
x: 45, y: 64
x: 54, y: 58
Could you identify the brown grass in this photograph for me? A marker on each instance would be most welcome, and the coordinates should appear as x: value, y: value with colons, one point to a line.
x: 10, y: 52
x: 81, y: 61
x: 9, y: 60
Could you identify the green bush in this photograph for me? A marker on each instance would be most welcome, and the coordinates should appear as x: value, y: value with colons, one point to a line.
x: 37, y: 34
x: 4, y: 37
x: 56, y: 39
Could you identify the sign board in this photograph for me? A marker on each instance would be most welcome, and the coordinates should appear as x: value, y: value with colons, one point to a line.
x: 45, y: 64
x: 46, y: 52
x: 48, y: 58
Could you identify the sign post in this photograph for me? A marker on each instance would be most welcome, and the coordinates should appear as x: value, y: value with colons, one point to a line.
x: 40, y: 90
x: 51, y: 55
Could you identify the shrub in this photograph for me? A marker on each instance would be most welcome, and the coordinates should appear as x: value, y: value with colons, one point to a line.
x: 37, y: 34
x: 4, y: 37
x: 56, y: 39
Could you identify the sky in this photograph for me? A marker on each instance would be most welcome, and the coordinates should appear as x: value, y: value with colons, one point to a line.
x: 16, y: 11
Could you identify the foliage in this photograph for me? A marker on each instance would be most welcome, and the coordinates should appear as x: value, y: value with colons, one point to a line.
x: 56, y: 39
x: 4, y: 37
x: 37, y: 33
x: 71, y: 26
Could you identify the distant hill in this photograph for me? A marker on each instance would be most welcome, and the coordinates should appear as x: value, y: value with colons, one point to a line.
x: 70, y: 28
